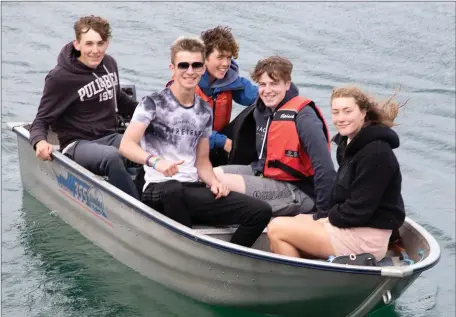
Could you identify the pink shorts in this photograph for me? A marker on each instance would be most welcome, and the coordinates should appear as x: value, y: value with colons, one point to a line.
x: 358, y: 240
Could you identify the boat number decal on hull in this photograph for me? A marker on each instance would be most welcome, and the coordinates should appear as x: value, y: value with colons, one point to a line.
x: 82, y: 192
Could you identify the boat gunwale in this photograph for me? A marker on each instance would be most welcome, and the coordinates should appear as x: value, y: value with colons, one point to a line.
x: 192, y: 234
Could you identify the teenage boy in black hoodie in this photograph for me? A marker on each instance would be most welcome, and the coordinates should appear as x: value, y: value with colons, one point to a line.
x: 80, y: 99
x: 292, y: 143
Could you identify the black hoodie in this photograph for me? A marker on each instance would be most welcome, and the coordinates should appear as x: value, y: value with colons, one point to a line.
x: 312, y: 139
x: 77, y: 100
x: 367, y: 192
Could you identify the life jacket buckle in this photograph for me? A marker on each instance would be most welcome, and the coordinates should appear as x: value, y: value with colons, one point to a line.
x: 273, y: 163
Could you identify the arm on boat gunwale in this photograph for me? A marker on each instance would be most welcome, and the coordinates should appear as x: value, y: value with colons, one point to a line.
x: 53, y: 104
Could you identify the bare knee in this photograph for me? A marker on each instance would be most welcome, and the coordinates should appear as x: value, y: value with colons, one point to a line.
x: 276, y: 227
x: 218, y: 171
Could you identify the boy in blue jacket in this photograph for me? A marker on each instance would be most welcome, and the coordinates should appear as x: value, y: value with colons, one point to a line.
x: 221, y: 83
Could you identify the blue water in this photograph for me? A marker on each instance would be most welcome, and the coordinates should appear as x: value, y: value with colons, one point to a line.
x: 48, y: 269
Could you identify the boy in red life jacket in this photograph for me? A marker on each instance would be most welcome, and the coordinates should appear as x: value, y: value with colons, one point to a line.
x: 221, y: 83
x: 292, y: 143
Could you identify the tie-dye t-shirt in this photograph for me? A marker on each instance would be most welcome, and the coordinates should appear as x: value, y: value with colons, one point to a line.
x: 173, y: 132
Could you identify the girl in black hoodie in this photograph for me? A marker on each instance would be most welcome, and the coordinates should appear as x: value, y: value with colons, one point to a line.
x: 366, y: 198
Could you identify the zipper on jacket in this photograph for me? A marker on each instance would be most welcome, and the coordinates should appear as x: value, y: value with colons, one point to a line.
x: 214, y: 100
x: 270, y: 118
x: 264, y: 138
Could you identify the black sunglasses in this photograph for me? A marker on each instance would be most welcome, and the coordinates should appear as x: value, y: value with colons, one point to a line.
x: 186, y: 65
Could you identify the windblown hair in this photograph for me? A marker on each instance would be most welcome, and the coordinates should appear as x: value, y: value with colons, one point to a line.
x: 276, y: 67
x: 187, y: 44
x: 98, y: 24
x: 220, y: 38
x: 383, y: 112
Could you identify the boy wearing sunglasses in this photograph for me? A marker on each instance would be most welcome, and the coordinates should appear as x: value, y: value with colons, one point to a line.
x: 169, y: 133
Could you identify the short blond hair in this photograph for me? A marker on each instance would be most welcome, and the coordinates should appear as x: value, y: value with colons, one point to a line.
x: 187, y: 44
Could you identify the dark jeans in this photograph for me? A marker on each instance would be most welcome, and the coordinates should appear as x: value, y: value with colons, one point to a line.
x: 194, y: 203
x: 102, y: 157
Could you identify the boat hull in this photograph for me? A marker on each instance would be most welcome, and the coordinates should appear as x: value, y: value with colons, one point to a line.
x: 202, y: 267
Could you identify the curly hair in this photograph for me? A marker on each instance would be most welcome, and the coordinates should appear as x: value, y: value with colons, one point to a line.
x: 187, y: 44
x: 383, y: 112
x: 98, y: 24
x: 220, y: 38
x: 276, y: 67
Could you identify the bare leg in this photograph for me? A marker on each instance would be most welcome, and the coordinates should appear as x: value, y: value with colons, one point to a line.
x: 292, y: 235
x: 235, y: 182
x: 284, y: 248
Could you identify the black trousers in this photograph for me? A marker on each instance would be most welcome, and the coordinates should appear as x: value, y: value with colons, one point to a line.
x: 194, y: 203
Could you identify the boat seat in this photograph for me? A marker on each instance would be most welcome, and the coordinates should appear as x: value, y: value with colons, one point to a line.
x: 391, y: 261
x: 214, y: 230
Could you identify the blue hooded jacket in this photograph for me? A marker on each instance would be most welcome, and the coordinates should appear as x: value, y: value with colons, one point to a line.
x: 242, y: 90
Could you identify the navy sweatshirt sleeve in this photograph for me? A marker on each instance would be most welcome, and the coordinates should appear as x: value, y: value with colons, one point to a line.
x: 313, y: 140
x: 372, y: 175
x: 54, y: 101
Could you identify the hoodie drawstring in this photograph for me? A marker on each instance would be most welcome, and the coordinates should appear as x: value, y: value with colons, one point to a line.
x: 264, y: 138
x: 112, y: 83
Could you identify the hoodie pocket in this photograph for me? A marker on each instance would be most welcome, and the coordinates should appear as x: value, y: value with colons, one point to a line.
x: 343, y: 181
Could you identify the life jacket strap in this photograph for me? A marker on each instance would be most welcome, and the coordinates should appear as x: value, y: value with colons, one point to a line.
x: 287, y: 169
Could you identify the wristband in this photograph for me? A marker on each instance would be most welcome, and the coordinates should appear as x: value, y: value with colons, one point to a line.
x: 147, y: 160
x: 155, y: 162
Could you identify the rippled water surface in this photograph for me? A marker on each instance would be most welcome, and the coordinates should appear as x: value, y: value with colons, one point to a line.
x: 48, y: 269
